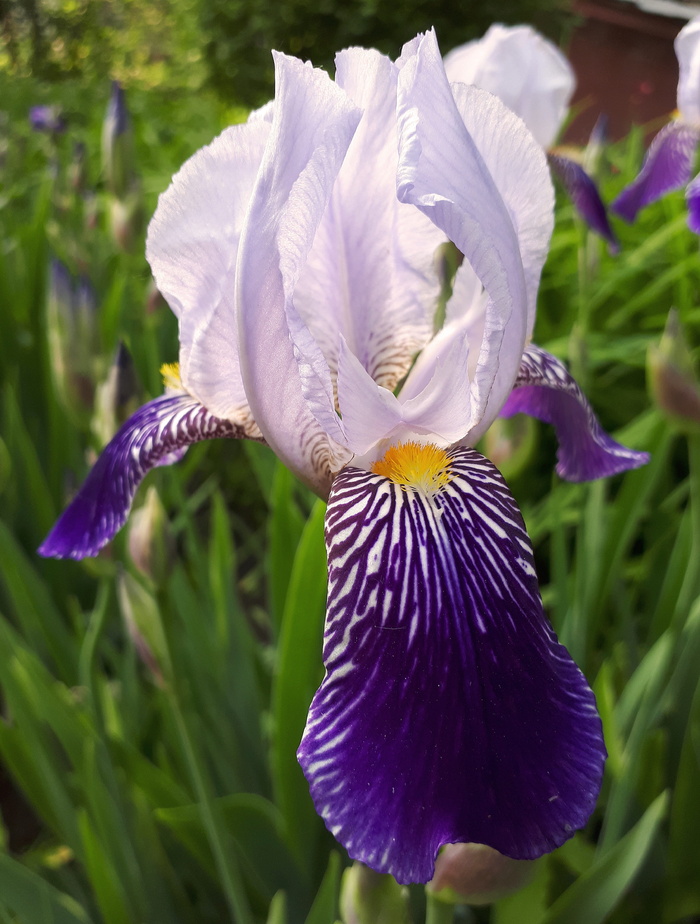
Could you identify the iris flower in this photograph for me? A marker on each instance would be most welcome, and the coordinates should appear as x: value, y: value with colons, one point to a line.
x: 536, y: 82
x: 297, y: 251
x: 668, y: 164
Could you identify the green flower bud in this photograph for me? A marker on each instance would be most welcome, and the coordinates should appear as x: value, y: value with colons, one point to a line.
x: 367, y: 897
x: 672, y: 380
x: 141, y: 617
x: 151, y: 541
x: 474, y: 874
x: 118, y: 145
x: 116, y: 397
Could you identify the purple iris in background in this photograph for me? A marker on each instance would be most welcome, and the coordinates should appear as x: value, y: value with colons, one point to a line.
x: 47, y: 119
x: 669, y: 162
x: 534, y: 79
x: 297, y: 251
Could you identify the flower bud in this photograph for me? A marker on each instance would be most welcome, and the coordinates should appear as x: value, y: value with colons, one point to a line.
x: 474, y: 874
x: 73, y: 338
x: 597, y: 142
x: 367, y: 897
x: 126, y: 218
x: 77, y: 172
x: 116, y: 397
x: 151, y: 541
x: 141, y: 617
x: 672, y: 380
x: 118, y: 145
x: 509, y: 443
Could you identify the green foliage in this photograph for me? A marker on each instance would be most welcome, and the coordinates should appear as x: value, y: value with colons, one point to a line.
x: 134, y: 41
x: 152, y: 722
x: 240, y: 33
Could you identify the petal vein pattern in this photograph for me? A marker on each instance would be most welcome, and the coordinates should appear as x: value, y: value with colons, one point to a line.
x: 668, y: 165
x: 157, y: 434
x: 545, y: 389
x: 449, y: 711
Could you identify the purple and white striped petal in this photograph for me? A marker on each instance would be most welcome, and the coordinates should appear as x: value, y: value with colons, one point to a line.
x: 157, y: 434
x: 584, y: 194
x: 546, y: 390
x: 449, y: 711
x: 668, y: 165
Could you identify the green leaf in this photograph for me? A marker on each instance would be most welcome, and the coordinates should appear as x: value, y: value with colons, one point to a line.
x: 33, y: 900
x: 595, y: 894
x: 278, y: 910
x: 285, y: 527
x: 683, y: 885
x: 103, y: 877
x: 256, y: 828
x: 529, y: 904
x: 324, y: 908
x: 33, y: 607
x: 297, y: 677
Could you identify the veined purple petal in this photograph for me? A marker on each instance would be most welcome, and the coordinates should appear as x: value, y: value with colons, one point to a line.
x: 449, y: 711
x: 157, y: 434
x: 546, y: 390
x: 668, y: 165
x: 584, y: 194
x: 692, y: 198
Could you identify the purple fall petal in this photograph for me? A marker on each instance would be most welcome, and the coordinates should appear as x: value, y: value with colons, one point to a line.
x: 585, y: 196
x: 157, y: 434
x: 545, y: 389
x: 449, y: 711
x: 692, y: 197
x: 668, y: 165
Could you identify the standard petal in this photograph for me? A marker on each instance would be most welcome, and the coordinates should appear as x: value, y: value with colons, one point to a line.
x: 584, y: 194
x: 528, y: 73
x: 544, y: 389
x: 442, y: 173
x: 449, y: 711
x: 687, y: 46
x: 157, y: 434
x: 313, y: 124
x: 370, y: 274
x: 372, y: 415
x: 668, y: 165
x: 192, y: 247
x: 502, y: 140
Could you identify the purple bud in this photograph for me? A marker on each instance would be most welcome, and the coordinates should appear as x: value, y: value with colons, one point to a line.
x: 117, y: 145
x: 47, y: 119
x: 73, y: 338
x: 116, y: 397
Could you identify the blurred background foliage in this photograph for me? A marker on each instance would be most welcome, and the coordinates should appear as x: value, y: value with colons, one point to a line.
x: 152, y: 699
x: 226, y: 43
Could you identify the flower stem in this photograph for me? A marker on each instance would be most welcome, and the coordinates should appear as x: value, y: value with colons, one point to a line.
x: 691, y: 583
x: 438, y: 912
